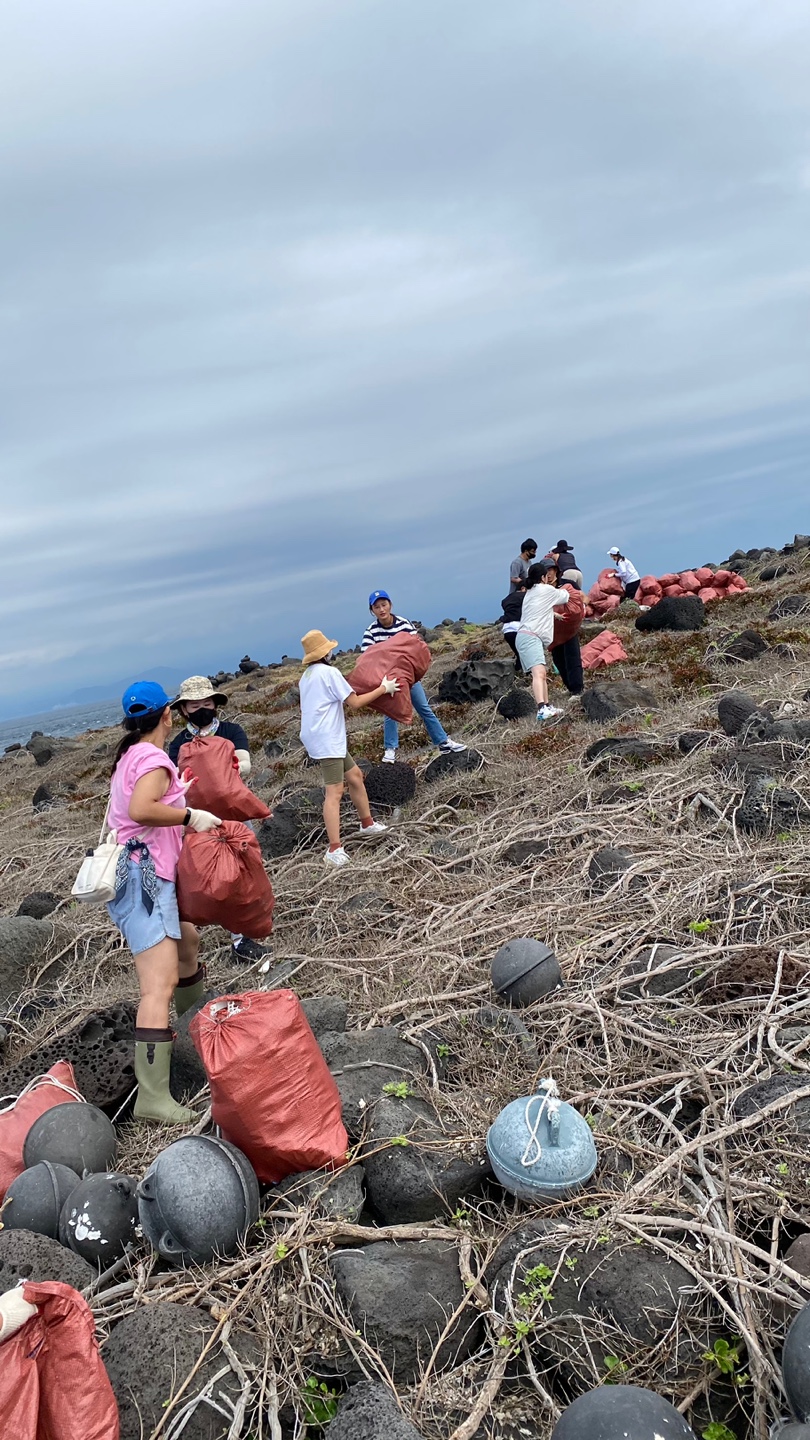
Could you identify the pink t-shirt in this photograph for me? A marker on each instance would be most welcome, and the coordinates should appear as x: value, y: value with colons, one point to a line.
x: 164, y: 841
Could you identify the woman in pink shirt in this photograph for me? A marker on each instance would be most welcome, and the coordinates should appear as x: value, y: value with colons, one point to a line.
x: 148, y: 812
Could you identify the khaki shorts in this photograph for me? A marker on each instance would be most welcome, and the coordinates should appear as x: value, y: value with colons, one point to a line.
x: 332, y: 771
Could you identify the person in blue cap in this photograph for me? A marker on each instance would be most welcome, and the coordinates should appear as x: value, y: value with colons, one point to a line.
x: 382, y: 627
x: 149, y: 815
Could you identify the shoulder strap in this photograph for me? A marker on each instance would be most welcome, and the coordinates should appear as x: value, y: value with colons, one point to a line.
x: 104, y: 822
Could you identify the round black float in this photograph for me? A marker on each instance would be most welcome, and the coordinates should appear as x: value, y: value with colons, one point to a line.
x: 621, y: 1412
x: 99, y: 1217
x: 74, y: 1134
x: 796, y: 1365
x: 525, y: 970
x: 198, y: 1199
x: 34, y: 1200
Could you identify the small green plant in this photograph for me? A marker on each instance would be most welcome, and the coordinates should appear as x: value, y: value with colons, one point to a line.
x: 400, y: 1088
x: 614, y: 1367
x: 401, y: 1140
x: 590, y: 1120
x: 319, y: 1402
x: 699, y: 927
x: 717, y: 1431
x: 535, y: 1287
x: 725, y: 1355
x: 782, y: 1168
x: 442, y: 1051
x: 282, y: 1250
x: 570, y: 1262
x: 591, y: 1211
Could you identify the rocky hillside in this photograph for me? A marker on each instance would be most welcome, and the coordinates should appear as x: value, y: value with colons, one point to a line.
x: 656, y: 839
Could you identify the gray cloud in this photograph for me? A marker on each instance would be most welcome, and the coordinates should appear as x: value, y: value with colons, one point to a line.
x: 302, y: 299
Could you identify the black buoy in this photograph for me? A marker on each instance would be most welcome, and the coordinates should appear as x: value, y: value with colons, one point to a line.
x: 796, y: 1365
x: 74, y: 1134
x: 34, y: 1200
x: 525, y: 970
x: 621, y: 1412
x: 198, y: 1199
x: 99, y: 1217
x: 791, y: 1430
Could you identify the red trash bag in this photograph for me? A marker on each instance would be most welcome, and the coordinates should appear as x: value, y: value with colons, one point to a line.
x: 54, y: 1088
x: 690, y: 582
x: 707, y: 593
x: 272, y: 1093
x: 705, y: 575
x: 53, y: 1384
x: 722, y: 578
x: 221, y: 880
x: 218, y: 786
x: 609, y: 582
x: 405, y: 657
x: 568, y: 619
x: 605, y: 649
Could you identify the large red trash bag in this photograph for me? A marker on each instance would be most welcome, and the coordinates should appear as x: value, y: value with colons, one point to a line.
x: 609, y: 582
x: 53, y: 1384
x: 705, y: 575
x: 404, y: 657
x: 707, y: 593
x: 690, y: 582
x: 272, y: 1093
x: 218, y: 786
x: 723, y: 578
x: 56, y: 1087
x: 605, y: 649
x: 568, y: 619
x: 221, y: 880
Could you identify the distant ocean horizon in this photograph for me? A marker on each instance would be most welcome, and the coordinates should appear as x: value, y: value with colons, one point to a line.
x: 66, y: 720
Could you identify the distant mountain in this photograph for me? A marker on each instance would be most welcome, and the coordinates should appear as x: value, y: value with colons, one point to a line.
x: 168, y: 676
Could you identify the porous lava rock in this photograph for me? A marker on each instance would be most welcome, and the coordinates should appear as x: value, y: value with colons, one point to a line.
x: 391, y: 784
x: 454, y: 761
x: 362, y: 1062
x: 607, y: 865
x: 148, y: 1356
x: 620, y: 794
x: 506, y: 1027
x: 426, y: 1177
x: 660, y: 970
x: 26, y: 1256
x: 296, y: 821
x: 39, y: 904
x: 476, y: 680
x: 632, y: 747
x: 767, y: 809
x: 674, y: 612
x: 756, y: 1097
x: 100, y: 1049
x: 612, y: 1293
x: 749, y: 762
x: 42, y: 798
x: 248, y: 666
x: 607, y: 699
x: 690, y: 740
x: 325, y: 1013
x: 401, y: 1297
x: 789, y: 605
x: 338, y: 1194
x: 521, y: 852
x: 369, y: 1411
x: 445, y: 850
x: 273, y: 749
x: 772, y: 572
x: 735, y: 709
x: 41, y: 747
x: 24, y: 945
x: 746, y: 645
x: 516, y: 704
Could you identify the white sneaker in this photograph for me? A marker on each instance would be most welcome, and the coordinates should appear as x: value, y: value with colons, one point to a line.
x: 451, y: 747
x: 389, y: 757
x: 336, y: 858
x: 548, y: 712
x: 376, y: 829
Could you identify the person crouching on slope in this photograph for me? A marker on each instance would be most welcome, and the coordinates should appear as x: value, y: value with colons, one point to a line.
x: 199, y: 704
x: 382, y: 627
x: 537, y: 631
x: 324, y: 692
x: 148, y: 811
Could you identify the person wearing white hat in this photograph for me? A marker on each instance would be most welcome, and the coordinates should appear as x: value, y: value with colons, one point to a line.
x: 626, y: 571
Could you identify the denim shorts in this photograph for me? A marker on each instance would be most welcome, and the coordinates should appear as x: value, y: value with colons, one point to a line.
x: 530, y: 649
x: 140, y: 929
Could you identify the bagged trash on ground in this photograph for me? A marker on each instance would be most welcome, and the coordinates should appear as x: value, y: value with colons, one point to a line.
x: 604, y: 649
x: 221, y: 880
x: 218, y: 786
x: 272, y: 1093
x: 56, y: 1087
x: 568, y: 618
x: 53, y: 1384
x: 405, y: 657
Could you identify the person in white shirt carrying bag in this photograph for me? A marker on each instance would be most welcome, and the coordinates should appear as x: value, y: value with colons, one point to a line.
x: 626, y: 571
x: 537, y: 631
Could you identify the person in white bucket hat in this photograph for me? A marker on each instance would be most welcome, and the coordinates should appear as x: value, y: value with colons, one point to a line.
x: 626, y: 571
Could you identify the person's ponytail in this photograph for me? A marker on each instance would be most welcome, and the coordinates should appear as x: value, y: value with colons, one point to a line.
x: 136, y: 726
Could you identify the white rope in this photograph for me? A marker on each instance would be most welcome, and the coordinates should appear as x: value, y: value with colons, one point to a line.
x: 549, y: 1097
x: 32, y: 1085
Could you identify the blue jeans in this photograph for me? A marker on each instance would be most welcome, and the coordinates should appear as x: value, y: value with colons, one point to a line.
x: 435, y: 729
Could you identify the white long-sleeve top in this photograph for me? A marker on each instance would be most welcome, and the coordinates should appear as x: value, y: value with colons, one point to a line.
x: 627, y: 572
x: 537, y: 615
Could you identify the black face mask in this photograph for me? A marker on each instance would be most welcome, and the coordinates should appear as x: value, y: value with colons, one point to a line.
x: 202, y: 718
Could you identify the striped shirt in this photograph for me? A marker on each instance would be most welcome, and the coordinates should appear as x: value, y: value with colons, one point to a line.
x: 377, y: 632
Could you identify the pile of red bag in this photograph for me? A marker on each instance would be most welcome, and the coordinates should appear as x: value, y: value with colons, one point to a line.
x: 606, y: 594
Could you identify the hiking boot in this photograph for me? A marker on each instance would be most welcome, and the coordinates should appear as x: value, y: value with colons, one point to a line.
x: 153, y: 1059
x: 377, y: 828
x: 451, y: 747
x: 389, y: 758
x: 336, y: 858
x: 188, y: 992
x: 248, y: 950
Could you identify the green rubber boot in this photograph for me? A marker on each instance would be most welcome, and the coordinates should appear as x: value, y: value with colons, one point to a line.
x: 153, y: 1058
x: 188, y: 992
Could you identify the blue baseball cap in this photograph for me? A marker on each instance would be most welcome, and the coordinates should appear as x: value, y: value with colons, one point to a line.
x: 378, y: 595
x: 143, y: 698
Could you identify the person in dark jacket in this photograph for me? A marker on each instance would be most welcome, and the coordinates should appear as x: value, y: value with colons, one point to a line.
x: 566, y: 562
x: 512, y: 605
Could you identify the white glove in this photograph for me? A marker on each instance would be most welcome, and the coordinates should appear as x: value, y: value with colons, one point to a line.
x: 389, y: 685
x: 202, y: 820
x: 244, y: 763
x: 14, y: 1312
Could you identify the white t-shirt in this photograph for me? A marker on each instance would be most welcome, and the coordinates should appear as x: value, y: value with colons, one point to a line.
x: 627, y: 571
x: 323, y: 724
x: 537, y: 615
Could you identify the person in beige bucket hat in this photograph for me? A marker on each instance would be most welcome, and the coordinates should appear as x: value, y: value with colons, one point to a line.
x: 198, y: 703
x: 324, y: 693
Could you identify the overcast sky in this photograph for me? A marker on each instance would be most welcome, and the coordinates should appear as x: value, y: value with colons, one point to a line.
x: 307, y: 297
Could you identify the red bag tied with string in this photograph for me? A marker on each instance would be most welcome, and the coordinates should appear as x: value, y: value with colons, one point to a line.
x: 221, y: 880
x: 272, y: 1093
x: 218, y: 786
x: 53, y: 1384
x: 54, y: 1088
x: 405, y: 657
x: 568, y: 618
